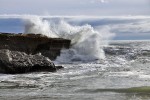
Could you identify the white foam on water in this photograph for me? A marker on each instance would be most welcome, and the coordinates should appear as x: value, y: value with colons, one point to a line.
x: 124, y: 74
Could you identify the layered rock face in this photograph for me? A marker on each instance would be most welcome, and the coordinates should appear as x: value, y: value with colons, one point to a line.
x: 33, y: 43
x: 22, y: 53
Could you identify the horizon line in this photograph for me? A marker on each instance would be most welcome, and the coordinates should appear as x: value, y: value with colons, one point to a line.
x: 72, y: 16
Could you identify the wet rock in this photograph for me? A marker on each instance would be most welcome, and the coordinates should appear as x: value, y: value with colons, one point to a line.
x: 14, y: 62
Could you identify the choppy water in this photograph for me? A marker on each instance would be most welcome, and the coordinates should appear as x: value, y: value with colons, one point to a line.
x: 123, y: 75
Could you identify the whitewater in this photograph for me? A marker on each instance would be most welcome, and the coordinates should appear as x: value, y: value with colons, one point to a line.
x: 86, y: 42
x: 96, y: 67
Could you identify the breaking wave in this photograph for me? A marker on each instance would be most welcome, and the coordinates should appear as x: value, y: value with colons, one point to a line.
x: 86, y: 42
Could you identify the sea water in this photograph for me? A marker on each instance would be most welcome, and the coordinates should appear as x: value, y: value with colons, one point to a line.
x: 95, y: 67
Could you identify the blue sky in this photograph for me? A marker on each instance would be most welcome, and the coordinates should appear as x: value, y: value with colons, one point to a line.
x: 76, y: 7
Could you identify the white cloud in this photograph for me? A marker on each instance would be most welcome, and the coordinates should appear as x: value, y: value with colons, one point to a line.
x: 134, y: 27
x: 75, y: 7
x: 98, y: 1
x: 103, y: 1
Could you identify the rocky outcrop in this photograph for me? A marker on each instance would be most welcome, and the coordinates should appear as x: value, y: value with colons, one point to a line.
x: 33, y: 43
x: 14, y: 62
x: 22, y: 53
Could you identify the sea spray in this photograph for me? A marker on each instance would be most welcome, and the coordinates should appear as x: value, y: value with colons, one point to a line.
x: 86, y: 43
x: 36, y: 25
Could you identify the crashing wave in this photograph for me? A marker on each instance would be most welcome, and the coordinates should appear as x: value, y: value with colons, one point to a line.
x: 86, y: 42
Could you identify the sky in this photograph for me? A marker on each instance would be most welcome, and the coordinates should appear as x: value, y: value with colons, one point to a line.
x: 76, y: 7
x: 87, y: 8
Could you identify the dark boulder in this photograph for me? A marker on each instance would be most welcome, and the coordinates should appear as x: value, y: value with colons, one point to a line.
x: 15, y: 62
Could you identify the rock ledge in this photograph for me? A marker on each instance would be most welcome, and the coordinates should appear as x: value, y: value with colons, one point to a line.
x: 23, y: 53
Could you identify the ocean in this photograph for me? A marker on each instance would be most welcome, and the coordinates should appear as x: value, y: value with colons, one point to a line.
x: 99, y: 65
